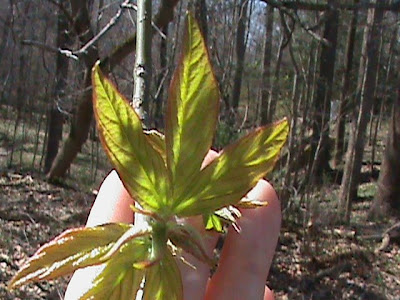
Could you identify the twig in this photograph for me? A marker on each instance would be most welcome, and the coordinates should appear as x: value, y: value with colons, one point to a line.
x: 102, y: 32
x: 134, y: 7
x: 142, y: 76
x: 159, y: 89
x: 83, y: 50
x: 67, y: 53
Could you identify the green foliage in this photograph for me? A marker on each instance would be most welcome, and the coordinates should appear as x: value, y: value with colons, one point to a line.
x: 164, y: 175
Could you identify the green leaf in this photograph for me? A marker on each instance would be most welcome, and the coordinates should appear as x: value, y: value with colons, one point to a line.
x: 233, y: 173
x: 71, y: 250
x: 225, y: 215
x: 119, y: 280
x: 157, y: 140
x: 213, y: 222
x: 140, y: 166
x: 163, y: 281
x: 192, y: 112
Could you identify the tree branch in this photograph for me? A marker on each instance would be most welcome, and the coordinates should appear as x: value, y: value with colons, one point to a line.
x: 311, y: 6
x: 162, y: 19
x: 103, y: 31
x: 142, y: 71
x: 66, y: 52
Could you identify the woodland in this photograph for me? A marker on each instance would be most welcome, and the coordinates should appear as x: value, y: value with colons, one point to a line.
x: 329, y: 66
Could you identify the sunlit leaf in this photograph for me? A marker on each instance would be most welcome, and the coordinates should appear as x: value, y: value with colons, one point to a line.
x: 213, y: 222
x: 164, y: 176
x: 119, y: 279
x: 140, y: 166
x: 163, y: 281
x: 192, y: 111
x: 233, y: 173
x: 224, y: 216
x: 71, y: 250
x: 157, y: 140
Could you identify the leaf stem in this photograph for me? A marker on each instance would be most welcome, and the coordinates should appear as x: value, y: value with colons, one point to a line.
x: 142, y: 76
x: 142, y: 70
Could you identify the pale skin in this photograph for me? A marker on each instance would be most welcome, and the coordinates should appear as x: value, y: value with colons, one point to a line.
x: 245, y: 259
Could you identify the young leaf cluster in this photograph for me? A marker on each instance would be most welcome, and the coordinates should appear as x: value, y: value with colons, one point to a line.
x: 164, y: 175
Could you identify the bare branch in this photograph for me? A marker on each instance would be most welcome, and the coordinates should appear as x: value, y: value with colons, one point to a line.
x: 102, y: 32
x: 312, y: 6
x: 83, y: 50
x: 66, y: 52
x: 134, y: 7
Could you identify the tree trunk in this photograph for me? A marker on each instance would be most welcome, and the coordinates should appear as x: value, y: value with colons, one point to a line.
x: 240, y: 53
x: 56, y: 118
x: 81, y: 123
x: 275, y: 88
x: 387, y: 197
x: 200, y: 11
x: 143, y: 67
x: 344, y: 96
x: 322, y: 102
x: 385, y: 93
x: 266, y: 76
x: 355, y: 151
x: 293, y: 137
x: 161, y: 78
x: 5, y: 33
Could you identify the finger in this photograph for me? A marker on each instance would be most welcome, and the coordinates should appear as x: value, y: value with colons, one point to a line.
x: 195, y: 280
x: 268, y: 294
x: 111, y: 205
x: 246, y: 256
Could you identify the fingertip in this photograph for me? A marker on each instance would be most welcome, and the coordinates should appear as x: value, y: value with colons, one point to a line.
x: 247, y: 256
x: 265, y: 192
x: 268, y: 294
x: 210, y: 156
x: 112, y: 203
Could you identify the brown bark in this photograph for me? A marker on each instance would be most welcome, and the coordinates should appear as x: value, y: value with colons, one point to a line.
x: 81, y: 123
x: 56, y: 118
x: 164, y: 16
x: 295, y: 108
x: 323, y: 95
x: 344, y: 96
x: 354, y: 155
x: 386, y: 93
x: 275, y: 87
x: 266, y: 76
x: 158, y: 102
x: 240, y: 53
x: 200, y: 12
x: 5, y: 33
x: 387, y: 197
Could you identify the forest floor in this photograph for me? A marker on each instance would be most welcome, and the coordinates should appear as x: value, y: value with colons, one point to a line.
x: 322, y: 261
x: 317, y: 259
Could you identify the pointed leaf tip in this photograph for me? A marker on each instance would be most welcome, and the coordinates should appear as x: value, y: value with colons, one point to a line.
x: 75, y: 248
x: 235, y: 171
x: 192, y: 111
x: 140, y: 166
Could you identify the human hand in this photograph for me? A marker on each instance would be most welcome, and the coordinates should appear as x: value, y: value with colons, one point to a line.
x: 245, y: 258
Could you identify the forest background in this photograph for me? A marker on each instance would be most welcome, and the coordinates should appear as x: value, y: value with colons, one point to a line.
x: 331, y: 67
